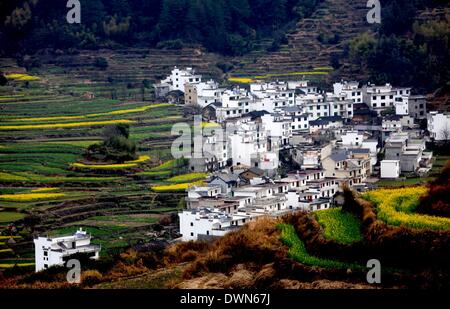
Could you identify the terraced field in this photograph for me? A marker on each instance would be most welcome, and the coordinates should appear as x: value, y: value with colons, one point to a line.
x: 340, y: 226
x: 47, y: 186
x: 397, y: 207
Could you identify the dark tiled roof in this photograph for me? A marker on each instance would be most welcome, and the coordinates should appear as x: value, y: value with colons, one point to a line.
x: 360, y: 150
x: 325, y: 120
x: 340, y: 156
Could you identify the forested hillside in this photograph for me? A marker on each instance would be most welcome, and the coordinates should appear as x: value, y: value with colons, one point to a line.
x: 225, y: 26
x: 411, y: 46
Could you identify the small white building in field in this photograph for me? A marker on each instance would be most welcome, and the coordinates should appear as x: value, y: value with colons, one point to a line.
x: 439, y: 126
x: 54, y: 251
x: 390, y: 169
x: 179, y: 78
x: 207, y: 223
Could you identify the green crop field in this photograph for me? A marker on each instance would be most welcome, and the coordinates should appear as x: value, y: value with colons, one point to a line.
x: 297, y: 251
x: 10, y: 216
x: 46, y: 125
x: 339, y: 226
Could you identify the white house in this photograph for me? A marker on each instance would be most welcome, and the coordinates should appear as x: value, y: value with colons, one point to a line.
x: 324, y: 123
x: 248, y: 144
x: 235, y: 103
x: 439, y: 126
x: 350, y: 89
x: 390, y: 169
x: 352, y: 139
x: 205, y: 223
x: 392, y: 123
x: 279, y: 130
x: 179, y: 78
x: 277, y: 92
x: 51, y: 251
x: 315, y: 205
x: 202, y: 93
x: 380, y: 98
x: 402, y: 106
x: 299, y: 120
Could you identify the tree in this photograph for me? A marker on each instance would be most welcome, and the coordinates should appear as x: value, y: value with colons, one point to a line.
x: 335, y: 61
x: 101, y: 63
x: 116, y: 146
x: 445, y: 134
x: 3, y: 79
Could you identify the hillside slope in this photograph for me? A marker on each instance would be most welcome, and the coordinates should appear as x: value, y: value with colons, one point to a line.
x: 347, y: 19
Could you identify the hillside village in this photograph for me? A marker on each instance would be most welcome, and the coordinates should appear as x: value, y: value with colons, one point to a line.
x: 291, y: 146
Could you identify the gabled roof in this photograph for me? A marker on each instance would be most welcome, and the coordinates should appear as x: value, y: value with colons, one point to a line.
x: 337, y: 157
x: 392, y: 117
x: 256, y: 114
x: 213, y: 105
x: 325, y: 120
x: 226, y: 177
x: 256, y: 170
x: 360, y: 150
x: 292, y: 109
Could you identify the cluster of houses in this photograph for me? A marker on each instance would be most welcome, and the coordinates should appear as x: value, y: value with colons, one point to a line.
x: 354, y: 135
x: 284, y: 146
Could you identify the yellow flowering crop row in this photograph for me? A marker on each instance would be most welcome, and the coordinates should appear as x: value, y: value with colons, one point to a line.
x: 323, y: 69
x: 8, y: 237
x: 140, y: 159
x: 133, y: 110
x: 117, y: 112
x: 11, y: 177
x: 67, y: 125
x: 291, y: 74
x: 243, y: 80
x: 18, y: 265
x: 22, y: 77
x: 41, y: 190
x: 187, y: 177
x: 210, y: 125
x: 177, y: 187
x: 396, y: 207
x: 127, y: 164
x: 26, y: 197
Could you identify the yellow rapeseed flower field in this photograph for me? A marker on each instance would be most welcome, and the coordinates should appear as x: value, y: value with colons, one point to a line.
x: 27, y: 197
x: 127, y: 164
x: 177, y: 187
x: 21, y: 77
x: 397, y: 206
x: 210, y: 125
x: 291, y: 74
x: 187, y: 177
x: 41, y: 190
x: 67, y: 125
x: 18, y: 265
x: 11, y: 177
x: 243, y: 80
x: 117, y: 112
x: 140, y: 159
